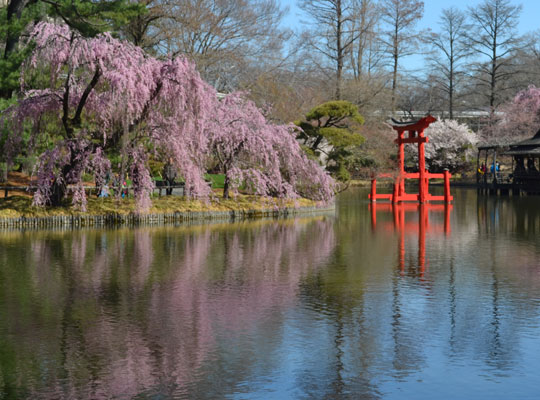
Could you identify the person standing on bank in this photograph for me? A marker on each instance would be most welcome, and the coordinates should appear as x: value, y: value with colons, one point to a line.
x: 169, y: 175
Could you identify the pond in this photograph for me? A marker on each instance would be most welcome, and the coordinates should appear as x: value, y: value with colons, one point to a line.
x: 365, y: 303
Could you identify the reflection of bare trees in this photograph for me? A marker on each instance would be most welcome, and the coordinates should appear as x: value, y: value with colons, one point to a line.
x: 468, y: 294
x: 519, y: 216
x: 127, y: 312
x: 493, y: 261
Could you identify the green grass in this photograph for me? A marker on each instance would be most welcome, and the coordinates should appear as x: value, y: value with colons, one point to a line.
x: 17, y: 206
x: 218, y: 180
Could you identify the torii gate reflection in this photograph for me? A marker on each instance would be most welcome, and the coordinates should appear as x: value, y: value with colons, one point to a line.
x: 402, y: 226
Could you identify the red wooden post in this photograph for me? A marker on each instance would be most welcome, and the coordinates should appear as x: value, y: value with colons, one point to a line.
x: 395, y: 192
x: 446, y: 186
x: 422, y: 170
x: 373, y: 209
x: 401, y: 159
x: 401, y: 152
x: 373, y: 190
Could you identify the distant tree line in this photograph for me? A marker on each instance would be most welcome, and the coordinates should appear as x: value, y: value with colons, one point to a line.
x: 353, y: 50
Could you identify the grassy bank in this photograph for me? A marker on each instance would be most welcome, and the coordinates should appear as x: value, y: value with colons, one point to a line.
x: 21, y: 206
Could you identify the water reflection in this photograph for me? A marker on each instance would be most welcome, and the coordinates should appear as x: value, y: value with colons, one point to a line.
x: 119, y: 311
x: 387, y: 302
x: 411, y: 228
x: 519, y: 215
x: 409, y: 221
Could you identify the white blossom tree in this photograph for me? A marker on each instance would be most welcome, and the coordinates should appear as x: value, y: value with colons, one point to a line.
x: 450, y: 146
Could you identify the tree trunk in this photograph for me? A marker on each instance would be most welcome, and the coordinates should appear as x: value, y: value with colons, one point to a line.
x: 339, y: 50
x: 492, y: 86
x: 395, y: 56
x: 493, y: 77
x: 451, y: 91
x: 5, y: 170
x: 226, y: 186
x: 14, y: 10
x: 394, y: 83
x: 58, y: 193
x: 451, y: 83
x: 59, y: 189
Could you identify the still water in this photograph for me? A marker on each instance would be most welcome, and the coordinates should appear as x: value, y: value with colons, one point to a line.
x: 405, y: 303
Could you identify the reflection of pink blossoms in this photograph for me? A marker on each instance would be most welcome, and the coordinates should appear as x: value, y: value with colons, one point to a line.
x: 162, y: 300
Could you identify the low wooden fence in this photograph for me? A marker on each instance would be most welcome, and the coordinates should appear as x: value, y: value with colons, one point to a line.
x: 78, y: 221
x: 159, y: 187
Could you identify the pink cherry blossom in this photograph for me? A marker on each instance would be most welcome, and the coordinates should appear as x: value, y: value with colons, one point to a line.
x: 104, y: 95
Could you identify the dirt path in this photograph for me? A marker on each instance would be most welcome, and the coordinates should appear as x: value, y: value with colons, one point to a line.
x: 17, y: 179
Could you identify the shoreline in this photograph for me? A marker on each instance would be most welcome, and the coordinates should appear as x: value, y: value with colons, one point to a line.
x: 74, y: 221
x: 366, y: 183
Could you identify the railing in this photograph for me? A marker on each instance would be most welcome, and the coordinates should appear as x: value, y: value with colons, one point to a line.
x: 494, y: 177
x: 158, y: 185
x: 7, y: 189
x: 507, y: 177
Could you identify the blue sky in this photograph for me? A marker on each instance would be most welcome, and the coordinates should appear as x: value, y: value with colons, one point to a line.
x: 530, y: 17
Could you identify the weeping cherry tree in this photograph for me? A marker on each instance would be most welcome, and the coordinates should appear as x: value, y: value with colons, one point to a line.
x: 104, y: 96
x: 264, y: 157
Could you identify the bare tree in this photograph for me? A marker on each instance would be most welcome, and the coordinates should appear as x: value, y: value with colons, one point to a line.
x: 223, y: 36
x: 418, y: 95
x: 365, y: 53
x: 333, y: 35
x: 141, y: 30
x: 400, y: 39
x: 494, y: 36
x: 369, y: 90
x: 450, y: 50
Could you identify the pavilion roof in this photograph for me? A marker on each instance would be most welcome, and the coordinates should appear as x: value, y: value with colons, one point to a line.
x: 526, y: 147
x: 491, y: 146
x: 523, y: 152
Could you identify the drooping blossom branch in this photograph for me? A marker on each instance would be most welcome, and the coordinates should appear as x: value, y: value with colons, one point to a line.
x: 102, y: 90
x: 262, y: 156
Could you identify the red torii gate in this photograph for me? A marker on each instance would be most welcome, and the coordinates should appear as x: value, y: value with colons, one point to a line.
x: 415, y: 130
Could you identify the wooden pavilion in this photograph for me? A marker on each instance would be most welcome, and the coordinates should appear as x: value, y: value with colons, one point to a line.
x: 524, y: 176
x: 525, y: 160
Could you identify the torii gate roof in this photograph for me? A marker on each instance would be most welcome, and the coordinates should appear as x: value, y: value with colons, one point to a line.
x: 415, y: 125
